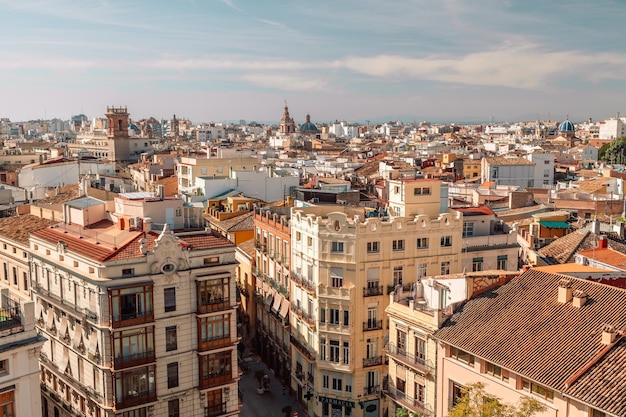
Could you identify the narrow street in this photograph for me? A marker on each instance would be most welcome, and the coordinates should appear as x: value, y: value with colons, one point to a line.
x: 269, y: 404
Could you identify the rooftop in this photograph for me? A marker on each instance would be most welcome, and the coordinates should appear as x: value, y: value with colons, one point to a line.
x: 20, y: 228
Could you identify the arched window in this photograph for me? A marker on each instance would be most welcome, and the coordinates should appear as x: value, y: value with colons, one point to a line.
x: 119, y: 125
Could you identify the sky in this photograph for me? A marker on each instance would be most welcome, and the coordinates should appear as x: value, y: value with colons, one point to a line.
x: 356, y: 60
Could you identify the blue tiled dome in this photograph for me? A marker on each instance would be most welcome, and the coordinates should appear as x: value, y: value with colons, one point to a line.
x: 308, y: 127
x: 566, y: 126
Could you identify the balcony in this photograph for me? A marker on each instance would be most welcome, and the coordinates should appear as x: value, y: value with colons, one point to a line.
x: 211, y: 306
x: 10, y: 314
x: 408, y: 402
x: 213, y: 342
x: 131, y: 399
x: 215, y: 410
x: 372, y: 291
x: 306, y: 317
x: 422, y: 365
x: 50, y: 296
x: 127, y: 361
x: 302, y: 349
x: 375, y: 361
x: 310, y: 377
x: 371, y: 325
x: 213, y: 379
x: 371, y: 390
x: 131, y: 318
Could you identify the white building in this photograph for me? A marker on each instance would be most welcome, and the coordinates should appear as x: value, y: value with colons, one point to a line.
x: 544, y: 168
x: 613, y: 128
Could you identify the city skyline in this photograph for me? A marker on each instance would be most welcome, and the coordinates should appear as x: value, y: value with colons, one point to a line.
x: 235, y: 59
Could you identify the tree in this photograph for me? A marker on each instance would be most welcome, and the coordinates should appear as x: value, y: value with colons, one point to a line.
x: 402, y: 412
x: 613, y: 152
x: 475, y: 402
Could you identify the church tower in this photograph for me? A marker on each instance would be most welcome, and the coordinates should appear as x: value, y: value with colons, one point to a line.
x: 117, y: 133
x: 287, y: 125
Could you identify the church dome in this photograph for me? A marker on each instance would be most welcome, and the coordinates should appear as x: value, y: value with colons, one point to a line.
x: 308, y: 127
x: 566, y: 126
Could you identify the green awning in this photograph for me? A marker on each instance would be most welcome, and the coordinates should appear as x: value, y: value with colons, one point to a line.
x: 555, y: 225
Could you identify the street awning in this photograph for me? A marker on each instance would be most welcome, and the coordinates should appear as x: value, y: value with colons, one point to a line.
x: 277, y: 301
x: 554, y: 225
x: 284, y: 308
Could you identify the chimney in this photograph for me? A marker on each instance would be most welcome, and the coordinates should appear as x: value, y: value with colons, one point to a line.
x: 609, y: 334
x: 565, y: 291
x: 603, y: 242
x: 580, y: 298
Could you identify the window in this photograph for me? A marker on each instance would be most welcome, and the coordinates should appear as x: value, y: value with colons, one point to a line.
x: 468, y: 229
x: 169, y: 294
x: 538, y: 390
x: 211, y: 260
x: 135, y: 384
x: 422, y: 243
x: 298, y: 236
x: 334, y: 351
x: 212, y: 294
x: 421, y: 191
x: 373, y: 247
x: 422, y: 269
x: 502, y: 261
x: 401, y: 385
x: 446, y: 241
x: 215, y: 368
x: 398, y: 274
x: 346, y: 318
x: 398, y: 244
x: 325, y: 381
x: 401, y: 341
x: 337, y: 383
x: 333, y: 316
x: 337, y: 247
x: 346, y: 352
x: 323, y: 348
x: 419, y: 393
x: 131, y: 304
x: 25, y: 278
x: 6, y: 272
x: 14, y: 276
x: 172, y: 375
x: 309, y: 241
x: 133, y: 346
x: 173, y: 408
x: 322, y: 315
x: 477, y: 264
x: 4, y: 366
x: 171, y: 342
x: 420, y: 349
x: 496, y: 371
x: 128, y: 272
x: 462, y: 356
x: 213, y: 331
x: 445, y: 268
x: 7, y: 403
x: 457, y: 391
x: 215, y: 404
x: 336, y: 276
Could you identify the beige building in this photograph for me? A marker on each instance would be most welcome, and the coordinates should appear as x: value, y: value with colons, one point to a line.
x: 343, y: 266
x: 188, y: 169
x: 138, y: 323
x: 554, y: 338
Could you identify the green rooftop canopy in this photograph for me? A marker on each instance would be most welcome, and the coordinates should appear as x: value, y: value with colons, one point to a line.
x: 555, y: 225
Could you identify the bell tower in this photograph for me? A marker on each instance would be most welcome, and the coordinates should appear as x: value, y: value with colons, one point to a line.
x: 117, y: 134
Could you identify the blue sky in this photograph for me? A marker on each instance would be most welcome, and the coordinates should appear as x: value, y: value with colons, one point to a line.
x: 213, y: 60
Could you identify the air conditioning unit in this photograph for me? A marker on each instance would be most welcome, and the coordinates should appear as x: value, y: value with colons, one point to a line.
x: 315, y: 200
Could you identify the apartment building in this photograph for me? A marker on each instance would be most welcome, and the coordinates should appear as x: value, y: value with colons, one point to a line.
x: 139, y: 322
x: 554, y: 338
x: 271, y: 272
x: 343, y: 266
x: 189, y: 168
x: 518, y: 172
x: 414, y: 315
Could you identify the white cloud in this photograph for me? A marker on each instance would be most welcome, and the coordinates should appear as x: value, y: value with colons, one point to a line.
x: 286, y: 82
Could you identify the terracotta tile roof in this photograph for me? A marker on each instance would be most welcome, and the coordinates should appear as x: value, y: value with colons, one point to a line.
x: 20, y: 228
x: 248, y: 248
x: 604, y: 385
x: 606, y: 256
x: 474, y: 211
x: 130, y: 249
x: 235, y: 224
x: 522, y: 327
x: 67, y: 193
x: 500, y: 160
x: 563, y: 249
